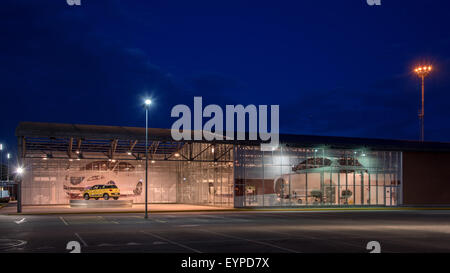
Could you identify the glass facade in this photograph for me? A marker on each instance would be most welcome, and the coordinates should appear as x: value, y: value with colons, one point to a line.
x: 227, y: 175
x: 207, y: 179
x: 298, y: 177
x: 57, y: 181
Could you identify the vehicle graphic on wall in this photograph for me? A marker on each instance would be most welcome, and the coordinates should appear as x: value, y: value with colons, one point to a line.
x: 103, y: 173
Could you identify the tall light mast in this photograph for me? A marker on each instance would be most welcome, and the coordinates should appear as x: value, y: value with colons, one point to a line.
x: 422, y: 72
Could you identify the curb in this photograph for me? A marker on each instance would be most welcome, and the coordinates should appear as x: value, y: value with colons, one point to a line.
x: 115, y: 212
x: 238, y: 209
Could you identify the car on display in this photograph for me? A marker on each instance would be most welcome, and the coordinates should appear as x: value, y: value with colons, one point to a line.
x: 102, y: 191
x: 103, y: 172
x: 292, y: 186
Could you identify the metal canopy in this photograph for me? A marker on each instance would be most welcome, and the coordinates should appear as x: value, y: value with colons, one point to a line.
x: 37, y: 139
x: 79, y: 148
x: 89, y: 141
x: 61, y: 130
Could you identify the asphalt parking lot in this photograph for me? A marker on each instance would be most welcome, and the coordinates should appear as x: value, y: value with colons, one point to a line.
x: 230, y: 232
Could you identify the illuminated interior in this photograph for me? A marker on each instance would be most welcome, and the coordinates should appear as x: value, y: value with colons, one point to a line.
x: 60, y: 168
x: 316, y: 177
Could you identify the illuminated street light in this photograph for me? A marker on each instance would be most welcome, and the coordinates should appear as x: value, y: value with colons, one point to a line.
x: 422, y: 72
x: 147, y: 103
x: 8, y: 156
x: 19, y: 173
x: 20, y: 170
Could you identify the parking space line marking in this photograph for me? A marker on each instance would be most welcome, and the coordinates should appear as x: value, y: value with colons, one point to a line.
x: 20, y: 221
x: 310, y: 237
x: 64, y: 221
x: 106, y: 220
x: 17, y: 243
x: 172, y: 242
x: 252, y: 241
x: 81, y: 239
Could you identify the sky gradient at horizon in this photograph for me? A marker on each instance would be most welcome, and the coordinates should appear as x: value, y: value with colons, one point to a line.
x: 339, y: 68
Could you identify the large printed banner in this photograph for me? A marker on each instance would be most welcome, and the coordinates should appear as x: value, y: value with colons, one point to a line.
x: 62, y: 181
x: 102, y: 174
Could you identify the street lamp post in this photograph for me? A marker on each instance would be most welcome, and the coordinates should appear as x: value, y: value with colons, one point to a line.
x: 422, y: 72
x: 8, y: 156
x: 19, y: 172
x: 146, y: 105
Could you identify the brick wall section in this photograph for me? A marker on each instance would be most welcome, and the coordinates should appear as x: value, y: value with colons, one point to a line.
x: 426, y: 178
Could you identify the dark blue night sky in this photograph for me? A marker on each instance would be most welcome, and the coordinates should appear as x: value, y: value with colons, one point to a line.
x: 335, y: 67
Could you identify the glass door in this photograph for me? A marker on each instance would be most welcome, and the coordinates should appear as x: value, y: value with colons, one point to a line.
x: 388, y: 193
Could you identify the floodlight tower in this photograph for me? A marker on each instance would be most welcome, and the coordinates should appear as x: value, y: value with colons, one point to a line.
x: 422, y: 72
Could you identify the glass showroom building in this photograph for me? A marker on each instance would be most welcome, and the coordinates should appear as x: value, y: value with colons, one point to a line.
x: 62, y: 160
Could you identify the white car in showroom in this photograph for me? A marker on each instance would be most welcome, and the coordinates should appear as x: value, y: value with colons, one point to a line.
x: 121, y: 174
